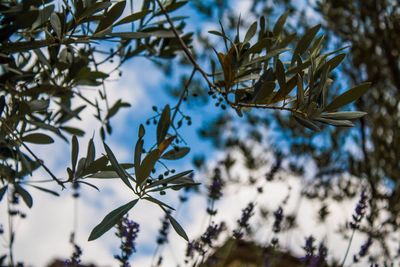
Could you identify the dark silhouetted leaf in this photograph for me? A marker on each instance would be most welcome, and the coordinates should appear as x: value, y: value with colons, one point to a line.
x: 306, y: 40
x: 250, y: 32
x: 146, y: 166
x: 345, y: 115
x: 121, y: 172
x: 38, y: 138
x: 278, y: 27
x: 174, y: 154
x: 111, y: 219
x: 163, y: 124
x: 3, y: 191
x: 25, y: 195
x: 74, y: 152
x: 45, y: 190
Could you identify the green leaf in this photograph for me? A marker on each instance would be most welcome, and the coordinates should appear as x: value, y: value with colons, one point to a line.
x: 56, y: 24
x: 250, y: 33
x: 38, y: 138
x: 74, y: 152
x: 174, y: 154
x: 96, y: 166
x: 264, y: 87
x: 307, y: 123
x: 73, y: 130
x: 348, y: 96
x: 138, y: 154
x: 38, y: 105
x: 158, y: 202
x: 133, y: 17
x: 104, y: 175
x: 147, y: 165
x: 306, y: 40
x: 91, y: 153
x: 169, y: 180
x: 117, y: 167
x: 94, y: 8
x: 345, y: 115
x: 177, y: 227
x: 300, y: 91
x: 142, y: 131
x: 163, y: 124
x: 3, y: 191
x: 140, y: 35
x: 343, y: 123
x: 278, y: 27
x: 280, y: 75
x: 111, y: 219
x: 335, y: 61
x: 25, y: 195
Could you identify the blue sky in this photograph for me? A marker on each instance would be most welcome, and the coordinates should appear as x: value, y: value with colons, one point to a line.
x: 45, y: 233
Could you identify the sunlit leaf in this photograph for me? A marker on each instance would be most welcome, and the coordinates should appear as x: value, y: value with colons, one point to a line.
x: 348, y: 96
x: 147, y: 166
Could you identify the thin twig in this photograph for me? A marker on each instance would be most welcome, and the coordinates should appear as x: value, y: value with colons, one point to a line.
x: 34, y: 155
x: 184, y: 91
x: 186, y: 49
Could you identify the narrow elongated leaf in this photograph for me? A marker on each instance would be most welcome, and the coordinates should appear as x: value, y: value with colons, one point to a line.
x: 170, y: 179
x: 94, y: 8
x: 117, y: 167
x: 147, y: 166
x: 335, y: 61
x: 306, y: 40
x: 158, y: 202
x: 348, y: 96
x: 174, y: 154
x: 104, y: 175
x: 133, y: 17
x: 111, y: 219
x: 278, y: 27
x: 300, y: 91
x: 112, y: 15
x: 163, y: 124
x: 250, y: 33
x: 45, y: 190
x: 25, y: 195
x: 91, y: 153
x: 280, y: 75
x: 138, y: 154
x: 343, y: 123
x: 141, y: 132
x: 3, y: 191
x: 74, y: 152
x: 139, y: 35
x: 166, y: 143
x: 56, y: 24
x: 96, y: 166
x: 177, y: 227
x: 307, y: 123
x: 345, y: 115
x: 38, y: 138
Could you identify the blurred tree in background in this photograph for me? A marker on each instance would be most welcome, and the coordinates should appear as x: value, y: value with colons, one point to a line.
x: 369, y: 151
x: 275, y: 80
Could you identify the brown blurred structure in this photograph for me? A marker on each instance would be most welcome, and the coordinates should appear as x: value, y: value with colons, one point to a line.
x: 239, y: 253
